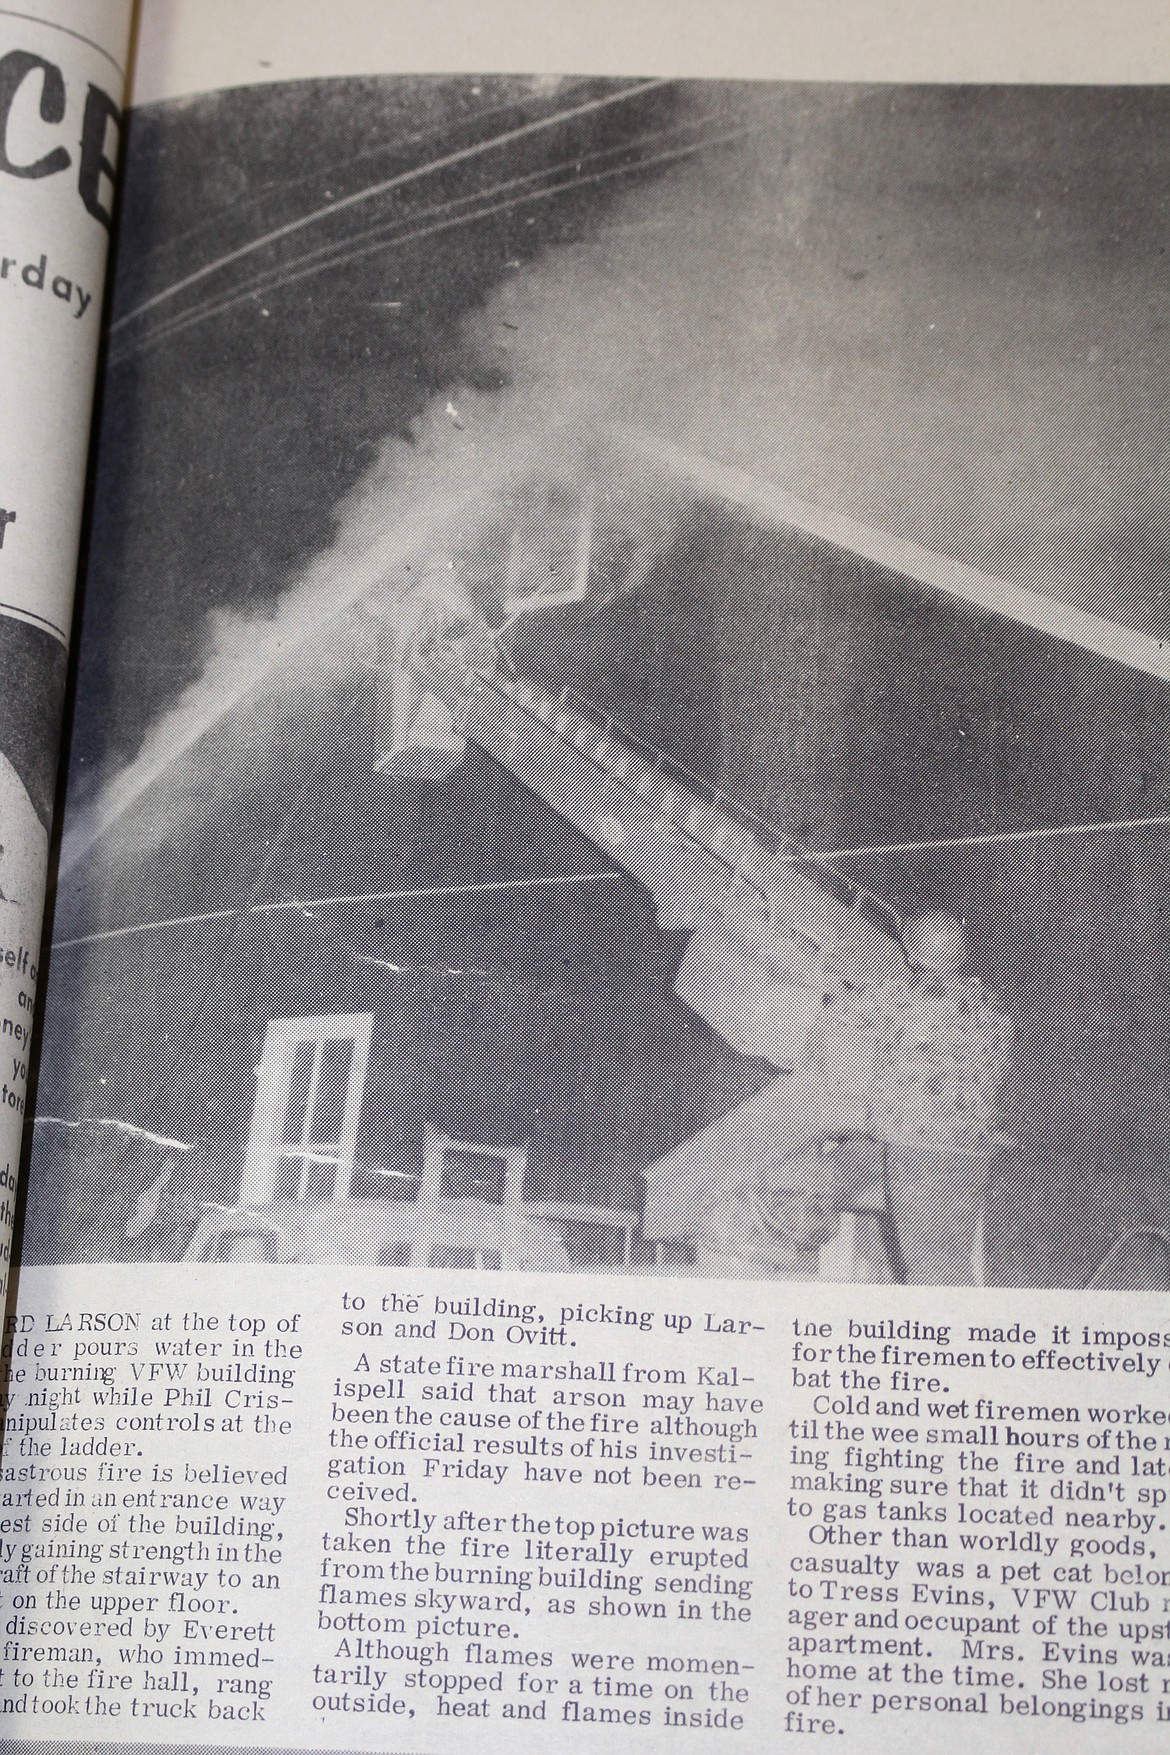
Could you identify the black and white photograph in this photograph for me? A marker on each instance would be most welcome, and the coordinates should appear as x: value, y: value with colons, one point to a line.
x: 621, y: 693
x: 32, y: 692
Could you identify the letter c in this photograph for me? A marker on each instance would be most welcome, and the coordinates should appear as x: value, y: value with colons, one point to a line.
x: 15, y: 68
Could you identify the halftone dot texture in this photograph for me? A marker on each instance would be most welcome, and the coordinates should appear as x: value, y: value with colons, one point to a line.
x: 805, y: 450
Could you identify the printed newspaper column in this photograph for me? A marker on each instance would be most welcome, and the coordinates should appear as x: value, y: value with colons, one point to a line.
x: 62, y: 73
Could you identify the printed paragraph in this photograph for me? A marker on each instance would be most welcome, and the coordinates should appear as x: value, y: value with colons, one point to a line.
x: 141, y: 1544
x: 978, y: 1519
x: 393, y: 1500
x: 509, y: 1484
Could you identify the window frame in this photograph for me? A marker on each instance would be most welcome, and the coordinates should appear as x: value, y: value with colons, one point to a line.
x: 267, y: 1143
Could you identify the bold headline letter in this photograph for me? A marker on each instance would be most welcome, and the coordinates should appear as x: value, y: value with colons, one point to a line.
x: 15, y: 68
x: 100, y: 111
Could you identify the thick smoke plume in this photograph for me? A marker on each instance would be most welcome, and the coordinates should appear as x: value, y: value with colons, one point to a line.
x: 419, y: 500
x: 895, y: 304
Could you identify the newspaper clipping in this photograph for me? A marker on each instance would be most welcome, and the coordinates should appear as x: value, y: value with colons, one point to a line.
x: 599, y: 1171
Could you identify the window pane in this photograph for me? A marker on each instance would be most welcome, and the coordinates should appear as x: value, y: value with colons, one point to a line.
x: 298, y: 1092
x: 332, y: 1086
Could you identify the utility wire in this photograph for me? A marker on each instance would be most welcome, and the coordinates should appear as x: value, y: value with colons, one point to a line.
x: 346, y: 254
x: 1008, y: 835
x: 242, y: 203
x: 595, y: 877
x: 391, y: 231
x: 420, y: 892
x: 327, y: 211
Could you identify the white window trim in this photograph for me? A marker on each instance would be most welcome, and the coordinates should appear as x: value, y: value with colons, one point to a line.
x: 266, y: 1145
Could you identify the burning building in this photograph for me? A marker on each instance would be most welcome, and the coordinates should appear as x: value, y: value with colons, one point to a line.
x: 644, y: 948
x: 465, y: 858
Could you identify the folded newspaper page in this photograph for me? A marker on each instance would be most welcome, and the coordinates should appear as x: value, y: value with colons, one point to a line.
x: 62, y: 77
x: 599, y: 1176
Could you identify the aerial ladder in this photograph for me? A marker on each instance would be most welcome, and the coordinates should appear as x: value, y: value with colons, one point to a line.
x: 764, y: 918
x: 772, y: 934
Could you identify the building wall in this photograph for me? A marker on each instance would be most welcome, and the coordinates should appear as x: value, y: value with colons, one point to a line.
x: 852, y: 708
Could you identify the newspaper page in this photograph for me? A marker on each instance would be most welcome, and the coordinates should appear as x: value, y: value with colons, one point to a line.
x: 62, y: 73
x: 600, y: 1159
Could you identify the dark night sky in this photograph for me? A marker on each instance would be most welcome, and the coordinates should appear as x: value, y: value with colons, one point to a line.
x: 941, y: 310
x: 225, y: 452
